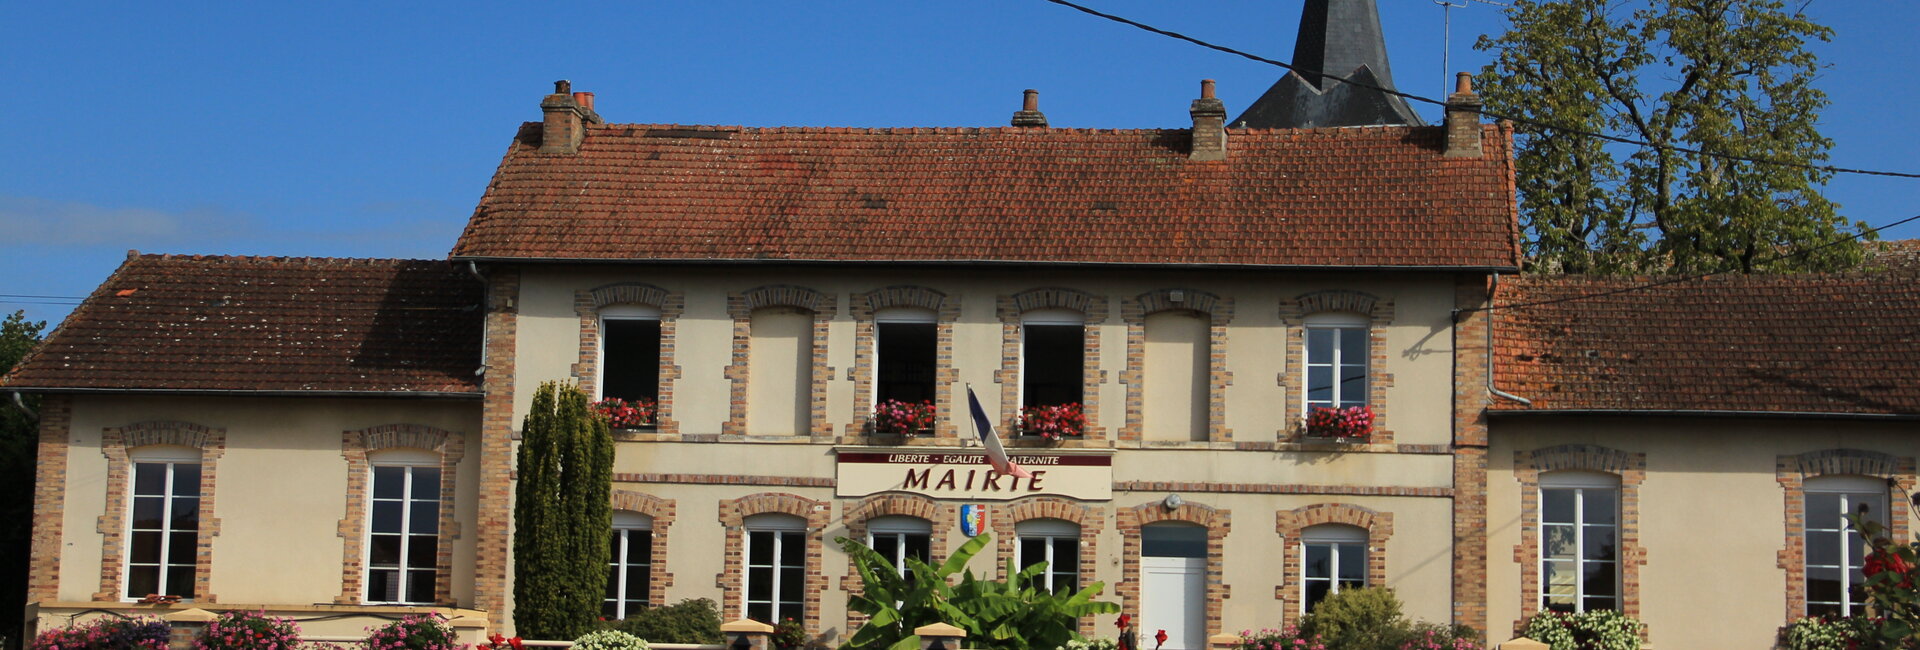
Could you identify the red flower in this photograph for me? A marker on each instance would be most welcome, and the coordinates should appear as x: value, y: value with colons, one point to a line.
x: 1159, y: 638
x: 1123, y: 622
x: 1881, y: 560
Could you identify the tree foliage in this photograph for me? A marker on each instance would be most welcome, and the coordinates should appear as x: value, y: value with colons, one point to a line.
x: 1727, y: 77
x: 1017, y: 614
x: 19, y: 438
x: 562, y: 513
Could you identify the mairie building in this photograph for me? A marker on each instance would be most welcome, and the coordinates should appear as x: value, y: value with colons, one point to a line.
x: 1148, y: 317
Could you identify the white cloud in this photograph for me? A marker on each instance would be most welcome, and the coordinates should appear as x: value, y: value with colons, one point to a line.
x: 37, y: 221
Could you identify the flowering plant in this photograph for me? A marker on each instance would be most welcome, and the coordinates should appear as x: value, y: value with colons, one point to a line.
x: 1891, y: 571
x: 498, y: 641
x: 609, y: 640
x: 1435, y: 637
x: 1594, y: 629
x: 1053, y: 422
x: 624, y: 414
x: 238, y: 630
x: 904, y: 418
x: 107, y: 633
x: 789, y: 634
x: 413, y: 632
x: 1272, y: 639
x: 1827, y: 632
x: 1350, y: 423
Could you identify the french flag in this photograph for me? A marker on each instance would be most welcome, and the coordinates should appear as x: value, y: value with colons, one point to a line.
x: 996, y: 455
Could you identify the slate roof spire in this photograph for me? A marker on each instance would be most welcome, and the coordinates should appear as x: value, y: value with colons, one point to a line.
x: 1340, y: 38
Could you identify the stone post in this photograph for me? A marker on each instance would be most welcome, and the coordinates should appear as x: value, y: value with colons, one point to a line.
x: 746, y: 634
x: 469, y: 630
x: 1223, y: 641
x: 1523, y: 643
x: 940, y: 636
x: 188, y: 626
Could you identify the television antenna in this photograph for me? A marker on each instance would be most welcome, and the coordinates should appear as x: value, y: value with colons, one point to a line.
x: 1446, y: 35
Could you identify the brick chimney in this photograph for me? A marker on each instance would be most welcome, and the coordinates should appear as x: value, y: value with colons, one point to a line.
x: 566, y: 114
x: 1463, y: 119
x: 1029, y: 114
x: 1209, y: 125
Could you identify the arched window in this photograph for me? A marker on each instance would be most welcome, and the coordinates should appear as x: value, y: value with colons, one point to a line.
x: 898, y: 538
x: 1334, y: 558
x: 1055, y: 542
x: 1336, y: 361
x: 1579, y: 541
x: 776, y: 576
x: 164, y: 530
x: 1053, y: 358
x: 630, y: 353
x: 403, y: 527
x: 906, y: 345
x: 1835, y: 552
x: 630, y: 576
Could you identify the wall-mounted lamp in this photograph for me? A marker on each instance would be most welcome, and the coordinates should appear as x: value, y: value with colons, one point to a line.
x: 1172, y: 502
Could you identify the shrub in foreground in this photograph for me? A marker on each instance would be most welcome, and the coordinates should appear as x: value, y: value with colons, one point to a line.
x: 107, y: 633
x: 1598, y: 629
x: 415, y: 632
x: 609, y: 640
x: 239, y: 630
x: 694, y: 620
x: 1825, y: 633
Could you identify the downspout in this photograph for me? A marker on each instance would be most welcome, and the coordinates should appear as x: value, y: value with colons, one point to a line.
x: 22, y: 404
x: 1494, y: 291
x: 474, y: 268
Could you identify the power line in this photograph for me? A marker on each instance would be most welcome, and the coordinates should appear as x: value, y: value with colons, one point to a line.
x: 1480, y: 111
x: 24, y: 295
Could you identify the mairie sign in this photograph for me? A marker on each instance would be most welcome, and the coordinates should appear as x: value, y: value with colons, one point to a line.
x: 965, y: 474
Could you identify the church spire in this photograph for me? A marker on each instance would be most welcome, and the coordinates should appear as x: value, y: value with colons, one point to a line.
x: 1340, y: 38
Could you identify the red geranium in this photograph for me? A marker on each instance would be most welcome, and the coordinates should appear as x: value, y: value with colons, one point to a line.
x: 903, y: 418
x: 1350, y: 423
x: 624, y: 414
x: 1054, y: 422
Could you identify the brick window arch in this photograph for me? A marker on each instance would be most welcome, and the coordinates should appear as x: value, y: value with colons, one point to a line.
x: 1631, y: 470
x: 1793, y: 473
x: 946, y: 311
x: 1010, y: 309
x: 1217, y: 521
x: 740, y: 308
x: 942, y: 517
x: 355, y: 447
x: 662, y: 512
x: 116, y: 443
x: 587, y: 304
x: 1218, y: 313
x: 1377, y: 313
x: 1292, y: 525
x: 732, y: 578
x: 1005, y: 524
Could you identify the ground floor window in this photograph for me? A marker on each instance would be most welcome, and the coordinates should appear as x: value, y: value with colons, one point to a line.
x: 776, y: 576
x: 404, y: 532
x: 1335, y: 558
x: 164, y: 531
x: 1579, y: 541
x: 1054, y: 542
x: 1836, y: 553
x: 898, y: 538
x: 630, y: 570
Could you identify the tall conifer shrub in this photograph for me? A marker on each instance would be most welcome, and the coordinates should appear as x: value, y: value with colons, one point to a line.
x: 562, y: 513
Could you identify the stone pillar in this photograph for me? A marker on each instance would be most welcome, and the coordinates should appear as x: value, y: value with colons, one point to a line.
x: 940, y: 636
x: 1523, y: 643
x: 747, y: 634
x: 1223, y: 641
x: 188, y: 626
x: 469, y: 630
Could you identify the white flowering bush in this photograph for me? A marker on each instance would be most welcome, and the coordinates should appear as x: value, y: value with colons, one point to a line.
x: 1825, y: 633
x: 609, y: 640
x: 1598, y: 629
x: 1090, y: 644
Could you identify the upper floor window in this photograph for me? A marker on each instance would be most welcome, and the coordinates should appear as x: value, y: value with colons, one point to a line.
x: 403, y: 535
x: 630, y: 574
x: 776, y: 576
x: 1836, y: 554
x: 780, y: 371
x: 1054, y: 542
x: 1579, y: 541
x: 630, y: 353
x: 907, y: 354
x: 897, y: 538
x: 1053, y: 358
x: 164, y: 531
x: 1335, y: 558
x: 1336, y: 364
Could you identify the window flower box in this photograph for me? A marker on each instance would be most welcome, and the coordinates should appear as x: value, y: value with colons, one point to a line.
x: 903, y: 418
x: 1055, y: 422
x: 627, y: 414
x: 1350, y: 424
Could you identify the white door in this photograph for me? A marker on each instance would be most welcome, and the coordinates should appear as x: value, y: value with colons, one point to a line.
x: 1173, y: 597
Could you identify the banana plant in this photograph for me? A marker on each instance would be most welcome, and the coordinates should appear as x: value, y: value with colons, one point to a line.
x: 1016, y: 614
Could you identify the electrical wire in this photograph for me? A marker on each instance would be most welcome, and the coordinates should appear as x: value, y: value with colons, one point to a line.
x: 1479, y: 110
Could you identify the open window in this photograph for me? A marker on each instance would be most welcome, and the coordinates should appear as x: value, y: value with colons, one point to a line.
x: 1053, y: 372
x: 630, y: 360
x: 907, y: 354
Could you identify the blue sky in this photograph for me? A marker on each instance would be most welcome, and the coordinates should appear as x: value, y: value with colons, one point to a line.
x: 370, y: 129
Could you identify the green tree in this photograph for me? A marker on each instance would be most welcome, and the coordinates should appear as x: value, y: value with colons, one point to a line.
x: 562, y: 513
x: 1016, y: 614
x: 19, y: 440
x: 1725, y: 77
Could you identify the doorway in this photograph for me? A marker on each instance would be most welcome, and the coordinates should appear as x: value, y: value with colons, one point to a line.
x: 1173, y: 585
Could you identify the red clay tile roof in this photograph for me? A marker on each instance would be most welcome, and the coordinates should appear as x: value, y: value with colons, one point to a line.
x: 322, y: 325
x: 1354, y: 197
x: 1844, y: 344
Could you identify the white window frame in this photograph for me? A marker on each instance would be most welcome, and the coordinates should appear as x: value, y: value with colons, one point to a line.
x: 1342, y: 324
x: 408, y: 459
x: 626, y: 523
x: 615, y: 312
x: 899, y: 527
x: 783, y: 525
x: 1848, y: 488
x: 1581, y: 482
x: 1047, y: 316
x: 1333, y: 536
x: 1051, y: 532
x: 170, y: 456
x: 907, y: 315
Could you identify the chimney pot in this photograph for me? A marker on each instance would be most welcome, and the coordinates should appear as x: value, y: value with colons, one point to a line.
x: 584, y: 99
x: 1463, y: 83
x: 1206, y: 89
x: 1032, y: 100
x: 1029, y: 114
x: 1209, y: 125
x: 562, y: 87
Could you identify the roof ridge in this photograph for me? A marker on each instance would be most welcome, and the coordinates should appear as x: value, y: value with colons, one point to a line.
x: 276, y: 259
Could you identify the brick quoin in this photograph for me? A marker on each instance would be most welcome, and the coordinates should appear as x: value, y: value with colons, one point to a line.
x: 116, y: 444
x: 354, y: 447
x: 1294, y: 313
x: 495, y: 510
x: 1470, y: 401
x: 1631, y: 468
x: 1793, y: 472
x: 49, y: 498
